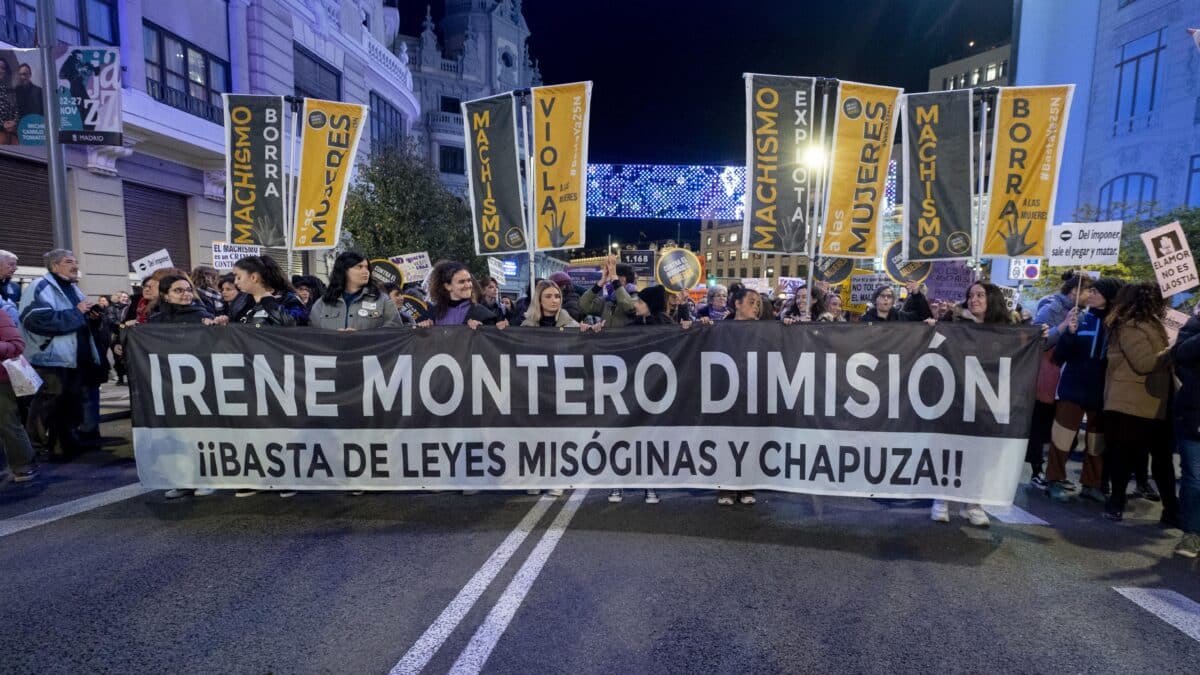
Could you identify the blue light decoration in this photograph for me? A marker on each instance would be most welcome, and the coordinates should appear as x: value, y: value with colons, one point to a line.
x: 677, y: 192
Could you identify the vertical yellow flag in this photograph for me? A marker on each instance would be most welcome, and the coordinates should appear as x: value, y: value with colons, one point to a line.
x: 560, y: 130
x: 1031, y: 123
x: 329, y: 137
x: 862, y: 148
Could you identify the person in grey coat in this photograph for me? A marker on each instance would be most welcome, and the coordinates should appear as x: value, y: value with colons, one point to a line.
x: 352, y: 301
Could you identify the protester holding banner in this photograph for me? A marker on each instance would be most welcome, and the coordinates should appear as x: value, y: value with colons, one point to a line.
x: 716, y: 306
x: 883, y: 307
x: 797, y: 309
x: 452, y: 289
x: 178, y: 303
x: 1137, y: 392
x: 1082, y: 354
x: 546, y: 310
x: 139, y: 310
x: 570, y: 294
x: 273, y: 302
x: 308, y: 289
x: 233, y: 301
x: 491, y: 300
x: 678, y: 308
x: 1186, y: 354
x: 1053, y: 311
x: 352, y: 301
x: 204, y: 284
x: 830, y: 309
x: 650, y: 307
x: 747, y: 306
x: 611, y: 298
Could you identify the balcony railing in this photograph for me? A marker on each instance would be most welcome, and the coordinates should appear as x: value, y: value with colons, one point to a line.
x: 15, y: 33
x: 442, y: 121
x: 184, y: 101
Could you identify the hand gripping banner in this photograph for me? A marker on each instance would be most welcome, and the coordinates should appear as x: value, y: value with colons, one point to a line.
x: 1031, y: 125
x: 494, y: 175
x: 863, y: 132
x: 910, y: 410
x: 939, y: 170
x: 330, y: 132
x: 560, y: 146
x: 254, y: 207
x: 780, y: 178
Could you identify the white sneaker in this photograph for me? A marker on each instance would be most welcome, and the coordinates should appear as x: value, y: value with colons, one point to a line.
x: 203, y: 492
x: 746, y: 498
x: 940, y: 513
x: 555, y: 493
x: 287, y: 493
x: 614, y: 496
x: 245, y: 492
x: 651, y: 497
x: 975, y: 514
x: 533, y: 492
x: 176, y: 493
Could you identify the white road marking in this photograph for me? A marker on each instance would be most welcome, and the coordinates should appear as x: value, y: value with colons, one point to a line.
x: 431, y: 641
x: 476, y: 653
x: 1014, y: 515
x: 1177, y: 610
x: 67, y: 509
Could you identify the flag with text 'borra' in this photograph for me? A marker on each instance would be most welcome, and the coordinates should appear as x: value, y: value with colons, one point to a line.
x: 494, y: 175
x: 864, y: 128
x: 560, y: 143
x: 1031, y: 125
x: 329, y: 136
x: 255, y: 214
x: 938, y: 175
x: 781, y: 175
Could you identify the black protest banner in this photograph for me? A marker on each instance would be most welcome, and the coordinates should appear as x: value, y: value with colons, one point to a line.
x: 254, y: 208
x: 494, y: 174
x: 907, y: 411
x: 779, y: 180
x: 938, y: 170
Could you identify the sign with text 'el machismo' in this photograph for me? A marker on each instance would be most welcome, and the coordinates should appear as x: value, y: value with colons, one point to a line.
x: 862, y: 148
x: 560, y: 144
x: 494, y: 175
x: 780, y: 178
x: 254, y: 207
x: 938, y: 175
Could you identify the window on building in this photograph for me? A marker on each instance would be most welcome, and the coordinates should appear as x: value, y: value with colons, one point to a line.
x: 721, y: 256
x: 18, y: 21
x: 1003, y: 68
x: 733, y: 237
x: 1196, y: 117
x: 758, y: 271
x: 990, y: 72
x: 975, y: 77
x: 1128, y: 196
x: 708, y: 256
x: 785, y: 270
x: 313, y: 78
x: 182, y: 75
x: 1124, y: 3
x: 770, y: 271
x: 451, y: 159
x: 745, y: 255
x: 946, y: 83
x: 452, y: 104
x: 387, y: 124
x: 743, y: 275
x: 721, y: 239
x: 1137, y: 82
x: 708, y: 240
x: 1193, y: 189
x: 87, y: 22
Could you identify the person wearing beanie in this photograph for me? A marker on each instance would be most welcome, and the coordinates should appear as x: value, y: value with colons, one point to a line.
x: 650, y: 306
x: 570, y: 295
x: 1082, y: 355
x: 883, y: 305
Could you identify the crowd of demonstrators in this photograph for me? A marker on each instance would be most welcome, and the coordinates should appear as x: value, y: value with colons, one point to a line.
x: 883, y: 308
x: 271, y: 299
x: 1055, y: 311
x: 546, y: 309
x: 611, y: 298
x: 352, y: 301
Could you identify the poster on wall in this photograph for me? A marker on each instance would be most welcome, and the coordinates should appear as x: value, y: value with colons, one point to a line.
x: 88, y: 82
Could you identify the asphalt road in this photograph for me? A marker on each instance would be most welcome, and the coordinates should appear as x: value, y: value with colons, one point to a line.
x: 445, y: 582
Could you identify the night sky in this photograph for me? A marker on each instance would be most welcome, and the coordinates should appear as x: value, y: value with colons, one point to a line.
x: 667, y: 74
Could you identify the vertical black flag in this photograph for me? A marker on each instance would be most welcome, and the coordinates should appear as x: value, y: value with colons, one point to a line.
x: 494, y: 174
x: 780, y: 176
x: 938, y: 176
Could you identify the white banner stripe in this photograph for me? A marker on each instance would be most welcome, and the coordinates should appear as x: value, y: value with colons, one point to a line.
x: 431, y: 641
x: 1014, y: 515
x: 1177, y: 610
x: 67, y: 509
x: 477, y: 651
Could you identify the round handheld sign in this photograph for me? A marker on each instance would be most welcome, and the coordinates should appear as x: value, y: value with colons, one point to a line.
x: 677, y: 269
x: 832, y: 271
x: 384, y: 272
x: 900, y: 270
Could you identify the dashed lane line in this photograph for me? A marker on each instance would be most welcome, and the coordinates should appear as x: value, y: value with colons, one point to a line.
x: 1177, y: 610
x: 1014, y: 515
x: 67, y: 509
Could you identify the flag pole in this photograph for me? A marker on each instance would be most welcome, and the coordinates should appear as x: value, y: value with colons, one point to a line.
x: 530, y: 220
x: 290, y: 206
x: 60, y: 210
x: 818, y: 204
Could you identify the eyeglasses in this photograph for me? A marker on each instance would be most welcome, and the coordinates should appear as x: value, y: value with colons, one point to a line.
x: 182, y: 291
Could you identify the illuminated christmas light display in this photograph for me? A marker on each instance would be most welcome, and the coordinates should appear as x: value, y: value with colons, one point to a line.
x: 673, y: 191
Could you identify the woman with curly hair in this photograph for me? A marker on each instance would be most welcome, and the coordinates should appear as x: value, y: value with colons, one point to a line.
x: 452, y: 290
x: 1137, y: 392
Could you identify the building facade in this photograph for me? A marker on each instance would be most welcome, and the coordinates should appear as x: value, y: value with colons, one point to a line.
x: 989, y: 68
x: 479, y: 49
x: 1133, y: 139
x: 165, y: 187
